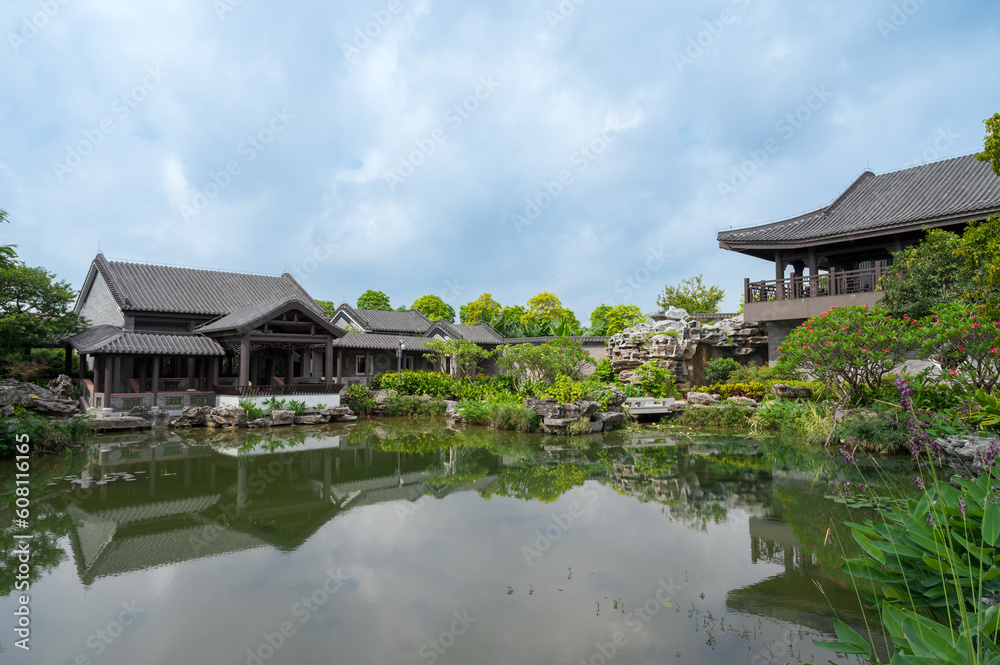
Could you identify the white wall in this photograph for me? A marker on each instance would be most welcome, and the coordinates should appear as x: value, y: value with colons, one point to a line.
x: 311, y: 401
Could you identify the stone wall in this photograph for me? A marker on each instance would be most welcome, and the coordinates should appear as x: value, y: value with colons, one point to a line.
x: 683, y: 345
x: 100, y: 306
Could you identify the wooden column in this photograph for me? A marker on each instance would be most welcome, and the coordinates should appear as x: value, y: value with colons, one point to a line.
x: 289, y: 367
x: 116, y: 382
x: 368, y: 366
x: 98, y: 373
x: 328, y: 362
x: 306, y: 363
x: 340, y: 365
x: 833, y: 281
x: 779, y: 274
x: 244, y: 378
x: 813, y: 263
x: 190, y: 373
x: 83, y: 367
x: 213, y: 374
x: 109, y: 368
x: 69, y: 361
x: 156, y: 378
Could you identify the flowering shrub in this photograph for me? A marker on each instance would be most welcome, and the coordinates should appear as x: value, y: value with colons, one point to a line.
x: 848, y: 349
x: 966, y: 341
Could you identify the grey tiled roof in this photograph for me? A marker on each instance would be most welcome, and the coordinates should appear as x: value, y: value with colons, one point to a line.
x: 480, y: 333
x: 378, y: 342
x: 542, y: 340
x: 251, y: 316
x: 959, y: 189
x: 156, y: 288
x: 108, y: 339
x: 389, y: 321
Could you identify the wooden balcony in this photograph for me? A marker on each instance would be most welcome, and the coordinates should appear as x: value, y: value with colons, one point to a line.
x: 802, y: 297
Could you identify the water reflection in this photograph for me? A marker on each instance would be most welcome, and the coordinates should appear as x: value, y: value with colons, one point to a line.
x: 754, y: 546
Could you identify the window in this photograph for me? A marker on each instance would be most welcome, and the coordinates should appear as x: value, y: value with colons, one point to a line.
x: 359, y: 365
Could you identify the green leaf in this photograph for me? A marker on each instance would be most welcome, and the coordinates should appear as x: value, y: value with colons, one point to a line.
x: 991, y: 524
x: 866, y: 545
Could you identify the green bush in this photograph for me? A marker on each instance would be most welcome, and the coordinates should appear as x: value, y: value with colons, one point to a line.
x: 966, y: 341
x: 566, y: 390
x: 359, y: 399
x: 254, y: 412
x: 718, y: 370
x: 754, y: 373
x: 655, y: 381
x: 758, y: 390
x: 875, y: 431
x: 793, y: 418
x: 603, y: 372
x: 412, y: 405
x: 726, y: 415
x: 500, y: 415
x: 424, y: 382
x: 46, y: 436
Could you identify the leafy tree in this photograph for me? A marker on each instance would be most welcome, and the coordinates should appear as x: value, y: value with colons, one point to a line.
x: 980, y: 248
x: 926, y: 274
x: 692, y: 296
x: 434, y: 308
x: 599, y: 320
x: 372, y: 299
x: 465, y: 355
x: 544, y: 362
x: 8, y: 253
x: 480, y: 310
x: 34, y: 310
x: 991, y: 144
x: 621, y: 317
x: 327, y: 306
x: 543, y: 308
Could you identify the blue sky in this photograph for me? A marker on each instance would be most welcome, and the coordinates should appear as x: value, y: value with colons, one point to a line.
x: 584, y: 147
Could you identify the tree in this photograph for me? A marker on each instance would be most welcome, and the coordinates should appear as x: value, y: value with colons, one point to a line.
x: 8, y: 253
x: 480, y: 310
x: 608, y: 320
x: 327, y: 306
x: 692, y: 296
x: 372, y: 299
x: 465, y: 355
x: 926, y: 274
x: 34, y: 310
x: 545, y: 308
x: 544, y: 362
x: 991, y: 144
x: 434, y: 308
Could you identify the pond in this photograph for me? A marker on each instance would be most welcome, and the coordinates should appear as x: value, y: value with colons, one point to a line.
x: 403, y: 542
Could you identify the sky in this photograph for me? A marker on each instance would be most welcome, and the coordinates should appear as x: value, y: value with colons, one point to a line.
x: 587, y: 148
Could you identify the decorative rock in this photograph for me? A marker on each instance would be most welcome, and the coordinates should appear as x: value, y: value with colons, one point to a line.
x: 192, y: 416
x: 546, y: 408
x: 970, y: 453
x: 744, y: 401
x: 35, y: 398
x: 259, y: 422
x: 317, y: 419
x: 380, y: 396
x: 281, y: 418
x: 701, y: 399
x: 783, y: 391
x: 610, y: 420
x: 588, y: 408
x: 117, y: 424
x: 62, y: 388
x: 228, y: 416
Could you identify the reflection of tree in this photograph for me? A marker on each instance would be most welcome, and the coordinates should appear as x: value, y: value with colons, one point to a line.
x: 541, y: 483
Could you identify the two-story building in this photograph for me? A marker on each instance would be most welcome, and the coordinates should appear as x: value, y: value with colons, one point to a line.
x: 847, y: 245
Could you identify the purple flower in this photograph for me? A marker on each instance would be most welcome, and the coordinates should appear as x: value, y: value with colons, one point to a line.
x: 905, y: 393
x: 919, y: 482
x: 848, y: 456
x: 961, y: 505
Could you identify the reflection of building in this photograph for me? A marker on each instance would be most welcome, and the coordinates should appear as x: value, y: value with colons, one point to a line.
x: 142, y: 507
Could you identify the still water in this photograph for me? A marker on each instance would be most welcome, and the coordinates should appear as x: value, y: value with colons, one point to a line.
x: 402, y: 542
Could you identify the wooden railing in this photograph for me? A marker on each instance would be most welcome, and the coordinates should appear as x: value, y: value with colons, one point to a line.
x: 836, y: 283
x: 272, y: 390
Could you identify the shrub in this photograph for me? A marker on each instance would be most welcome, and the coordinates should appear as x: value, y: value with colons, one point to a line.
x: 500, y: 415
x: 848, y: 349
x: 966, y: 342
x: 435, y: 384
x: 875, y: 431
x: 566, y: 390
x: 411, y: 405
x: 754, y: 373
x: 655, y: 381
x: 759, y: 391
x: 359, y: 399
x: 254, y: 412
x: 46, y: 436
x: 603, y: 372
x: 718, y: 370
x: 543, y: 362
x: 726, y: 415
x: 809, y: 421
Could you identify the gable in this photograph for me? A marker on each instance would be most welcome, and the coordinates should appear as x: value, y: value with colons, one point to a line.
x: 97, y: 304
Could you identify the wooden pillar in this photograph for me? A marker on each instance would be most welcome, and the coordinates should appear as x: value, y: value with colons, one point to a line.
x: 98, y: 373
x: 244, y: 378
x: 834, y: 289
x: 116, y: 382
x: 779, y: 274
x: 69, y: 361
x: 328, y: 362
x: 289, y: 367
x: 190, y: 373
x: 268, y: 370
x: 813, y: 263
x: 83, y: 367
x: 143, y: 373
x: 156, y: 378
x: 306, y: 362
x: 368, y: 365
x: 213, y: 374
x: 340, y: 365
x: 109, y: 368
